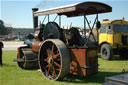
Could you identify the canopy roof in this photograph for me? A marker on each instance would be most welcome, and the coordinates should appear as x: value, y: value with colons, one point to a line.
x: 77, y: 9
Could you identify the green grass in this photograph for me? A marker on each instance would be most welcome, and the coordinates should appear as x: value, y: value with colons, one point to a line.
x: 11, y: 74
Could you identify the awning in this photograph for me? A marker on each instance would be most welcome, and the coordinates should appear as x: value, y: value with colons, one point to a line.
x: 77, y: 9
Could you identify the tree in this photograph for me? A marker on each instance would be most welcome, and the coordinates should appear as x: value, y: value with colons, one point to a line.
x: 3, y: 29
x: 1, y: 22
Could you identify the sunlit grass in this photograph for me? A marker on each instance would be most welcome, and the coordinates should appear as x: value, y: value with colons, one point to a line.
x: 11, y: 74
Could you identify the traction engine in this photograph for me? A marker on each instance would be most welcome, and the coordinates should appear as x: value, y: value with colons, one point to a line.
x: 57, y: 51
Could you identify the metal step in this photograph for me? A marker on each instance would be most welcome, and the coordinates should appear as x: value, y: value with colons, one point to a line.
x: 117, y: 80
x: 108, y: 84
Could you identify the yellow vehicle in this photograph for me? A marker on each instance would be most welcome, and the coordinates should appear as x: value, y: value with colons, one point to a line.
x: 113, y: 39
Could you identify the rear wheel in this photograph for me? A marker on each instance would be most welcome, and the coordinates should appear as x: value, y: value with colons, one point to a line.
x: 54, y: 59
x: 106, y: 52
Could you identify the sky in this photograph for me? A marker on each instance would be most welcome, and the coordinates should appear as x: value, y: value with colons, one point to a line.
x: 19, y: 12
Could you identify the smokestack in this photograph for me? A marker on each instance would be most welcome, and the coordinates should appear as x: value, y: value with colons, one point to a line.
x: 35, y: 18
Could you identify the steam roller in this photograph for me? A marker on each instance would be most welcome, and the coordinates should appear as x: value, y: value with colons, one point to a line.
x: 58, y: 52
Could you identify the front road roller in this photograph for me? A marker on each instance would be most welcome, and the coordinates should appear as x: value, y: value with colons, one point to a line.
x: 26, y: 58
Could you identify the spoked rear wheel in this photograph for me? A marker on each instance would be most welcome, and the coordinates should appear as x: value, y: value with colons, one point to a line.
x: 54, y: 59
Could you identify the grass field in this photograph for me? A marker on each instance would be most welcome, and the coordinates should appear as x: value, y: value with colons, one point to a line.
x: 11, y: 74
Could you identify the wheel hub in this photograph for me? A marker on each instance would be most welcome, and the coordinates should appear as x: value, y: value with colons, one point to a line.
x: 105, y: 52
x: 50, y: 60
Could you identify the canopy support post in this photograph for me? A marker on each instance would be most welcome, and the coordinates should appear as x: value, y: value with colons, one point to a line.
x: 48, y: 17
x: 91, y: 28
x: 85, y: 26
x: 97, y: 30
x: 44, y: 19
x: 55, y: 18
x: 60, y: 21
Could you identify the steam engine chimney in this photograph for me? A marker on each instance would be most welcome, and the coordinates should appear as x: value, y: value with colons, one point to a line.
x: 35, y: 18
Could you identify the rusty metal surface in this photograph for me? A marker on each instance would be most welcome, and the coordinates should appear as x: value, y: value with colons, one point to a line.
x: 92, y: 60
x: 36, y: 46
x: 82, y: 62
x: 54, y: 59
x: 78, y: 59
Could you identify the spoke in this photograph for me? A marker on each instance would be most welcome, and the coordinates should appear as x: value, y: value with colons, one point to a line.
x: 58, y: 69
x: 58, y: 59
x: 47, y: 53
x: 23, y: 57
x: 52, y: 50
x: 57, y: 51
x: 57, y: 64
x: 55, y: 56
x: 49, y: 68
x: 45, y: 60
x: 53, y: 73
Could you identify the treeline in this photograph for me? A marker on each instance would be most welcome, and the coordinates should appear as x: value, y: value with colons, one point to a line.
x: 4, y: 30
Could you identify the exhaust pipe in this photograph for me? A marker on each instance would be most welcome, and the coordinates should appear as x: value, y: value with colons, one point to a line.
x: 35, y: 18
